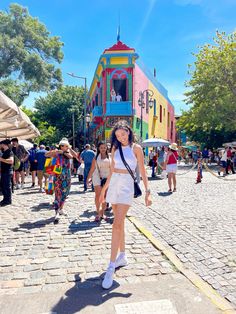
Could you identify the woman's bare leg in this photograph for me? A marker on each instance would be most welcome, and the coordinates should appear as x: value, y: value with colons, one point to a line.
x: 120, y: 211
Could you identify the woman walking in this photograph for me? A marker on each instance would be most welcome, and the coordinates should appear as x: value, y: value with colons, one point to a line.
x: 62, y: 181
x: 120, y: 193
x: 99, y: 172
x: 171, y: 166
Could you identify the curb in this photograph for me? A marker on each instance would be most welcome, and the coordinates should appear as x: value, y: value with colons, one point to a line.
x: 220, y: 302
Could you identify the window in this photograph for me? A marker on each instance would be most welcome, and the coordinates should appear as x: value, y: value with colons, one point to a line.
x: 119, y: 86
x: 96, y: 100
x: 160, y: 113
x: 171, y: 130
x: 155, y: 108
x: 168, y: 120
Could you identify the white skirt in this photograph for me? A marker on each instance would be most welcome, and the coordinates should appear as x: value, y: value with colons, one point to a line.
x: 121, y: 189
x: 172, y: 168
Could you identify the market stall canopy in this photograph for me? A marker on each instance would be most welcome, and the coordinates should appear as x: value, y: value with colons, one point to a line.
x: 155, y: 142
x: 14, y: 122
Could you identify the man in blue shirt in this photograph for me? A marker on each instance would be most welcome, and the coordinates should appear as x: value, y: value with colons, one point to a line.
x: 87, y: 156
x: 40, y: 157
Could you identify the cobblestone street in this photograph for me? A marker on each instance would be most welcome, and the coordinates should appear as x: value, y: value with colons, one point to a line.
x: 38, y: 255
x: 197, y: 222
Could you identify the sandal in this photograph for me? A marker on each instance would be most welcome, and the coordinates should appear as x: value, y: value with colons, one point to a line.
x: 174, y: 190
x: 98, y: 218
x: 105, y: 218
x: 169, y: 190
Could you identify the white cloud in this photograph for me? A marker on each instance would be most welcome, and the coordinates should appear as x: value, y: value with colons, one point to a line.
x: 145, y: 21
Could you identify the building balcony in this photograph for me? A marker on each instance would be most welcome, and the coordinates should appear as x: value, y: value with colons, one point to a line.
x: 119, y: 108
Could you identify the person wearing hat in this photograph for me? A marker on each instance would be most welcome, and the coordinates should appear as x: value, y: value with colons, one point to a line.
x: 7, y: 161
x: 171, y: 166
x: 62, y: 181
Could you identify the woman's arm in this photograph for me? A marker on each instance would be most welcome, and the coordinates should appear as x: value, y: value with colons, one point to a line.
x: 74, y: 154
x: 93, y: 166
x: 52, y: 153
x: 106, y: 185
x: 140, y: 159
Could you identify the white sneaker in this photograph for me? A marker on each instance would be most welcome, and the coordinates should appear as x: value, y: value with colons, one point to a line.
x: 108, y: 279
x: 62, y: 212
x: 17, y: 186
x: 22, y: 186
x: 121, y: 261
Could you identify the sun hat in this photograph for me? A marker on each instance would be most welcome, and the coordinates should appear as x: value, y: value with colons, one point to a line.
x: 173, y: 146
x: 64, y: 141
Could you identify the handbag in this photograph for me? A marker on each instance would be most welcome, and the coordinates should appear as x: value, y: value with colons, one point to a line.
x: 137, y: 190
x: 50, y: 186
x: 17, y: 163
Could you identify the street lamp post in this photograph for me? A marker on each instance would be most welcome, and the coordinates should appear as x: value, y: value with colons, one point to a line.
x: 73, y: 129
x: 142, y: 104
x: 85, y: 98
x: 88, y: 119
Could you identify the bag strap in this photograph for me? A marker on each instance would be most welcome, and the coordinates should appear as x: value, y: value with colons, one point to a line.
x: 125, y: 163
x: 98, y: 169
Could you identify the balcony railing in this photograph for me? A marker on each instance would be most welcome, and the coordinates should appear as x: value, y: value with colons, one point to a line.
x: 119, y: 108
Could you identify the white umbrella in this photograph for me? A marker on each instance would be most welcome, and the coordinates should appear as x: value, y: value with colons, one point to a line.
x: 155, y: 142
x: 27, y: 145
x: 14, y: 122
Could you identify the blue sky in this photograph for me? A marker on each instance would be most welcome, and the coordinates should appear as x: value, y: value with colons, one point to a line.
x: 163, y: 32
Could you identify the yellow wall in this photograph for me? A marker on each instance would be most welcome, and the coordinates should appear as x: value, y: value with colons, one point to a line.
x: 155, y: 127
x: 119, y: 60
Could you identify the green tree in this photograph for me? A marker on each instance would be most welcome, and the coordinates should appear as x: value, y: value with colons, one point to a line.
x: 212, y: 93
x: 27, y: 55
x: 58, y: 107
x: 49, y: 135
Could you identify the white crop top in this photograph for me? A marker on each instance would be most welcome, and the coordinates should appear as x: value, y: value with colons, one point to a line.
x: 129, y: 157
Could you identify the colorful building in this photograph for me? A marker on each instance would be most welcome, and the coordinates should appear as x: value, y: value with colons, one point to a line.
x: 119, y: 70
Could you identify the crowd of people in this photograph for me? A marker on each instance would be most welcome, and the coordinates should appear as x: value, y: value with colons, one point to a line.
x: 111, y: 170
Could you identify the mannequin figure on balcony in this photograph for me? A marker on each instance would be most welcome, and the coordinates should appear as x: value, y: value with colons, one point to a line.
x: 113, y: 95
x: 118, y: 97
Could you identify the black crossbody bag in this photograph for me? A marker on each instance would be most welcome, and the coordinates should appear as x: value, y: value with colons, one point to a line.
x: 137, y: 190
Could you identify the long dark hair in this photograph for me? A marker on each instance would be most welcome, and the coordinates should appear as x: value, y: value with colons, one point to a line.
x: 122, y: 124
x: 98, y: 151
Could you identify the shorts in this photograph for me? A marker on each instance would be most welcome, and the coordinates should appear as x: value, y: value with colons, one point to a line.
x: 121, y: 189
x: 33, y: 166
x: 171, y: 168
x: 223, y: 163
x: 96, y: 180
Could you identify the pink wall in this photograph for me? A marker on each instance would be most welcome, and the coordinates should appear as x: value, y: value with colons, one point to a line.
x: 140, y: 83
x: 172, y: 119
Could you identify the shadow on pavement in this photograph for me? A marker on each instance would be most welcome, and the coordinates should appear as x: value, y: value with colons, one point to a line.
x: 33, y: 225
x: 154, y: 178
x: 29, y: 192
x: 40, y: 206
x: 164, y: 193
x: 87, y: 293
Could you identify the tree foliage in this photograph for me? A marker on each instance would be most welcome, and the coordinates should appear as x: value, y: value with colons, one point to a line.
x: 57, y: 108
x: 212, y: 92
x: 28, y: 54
